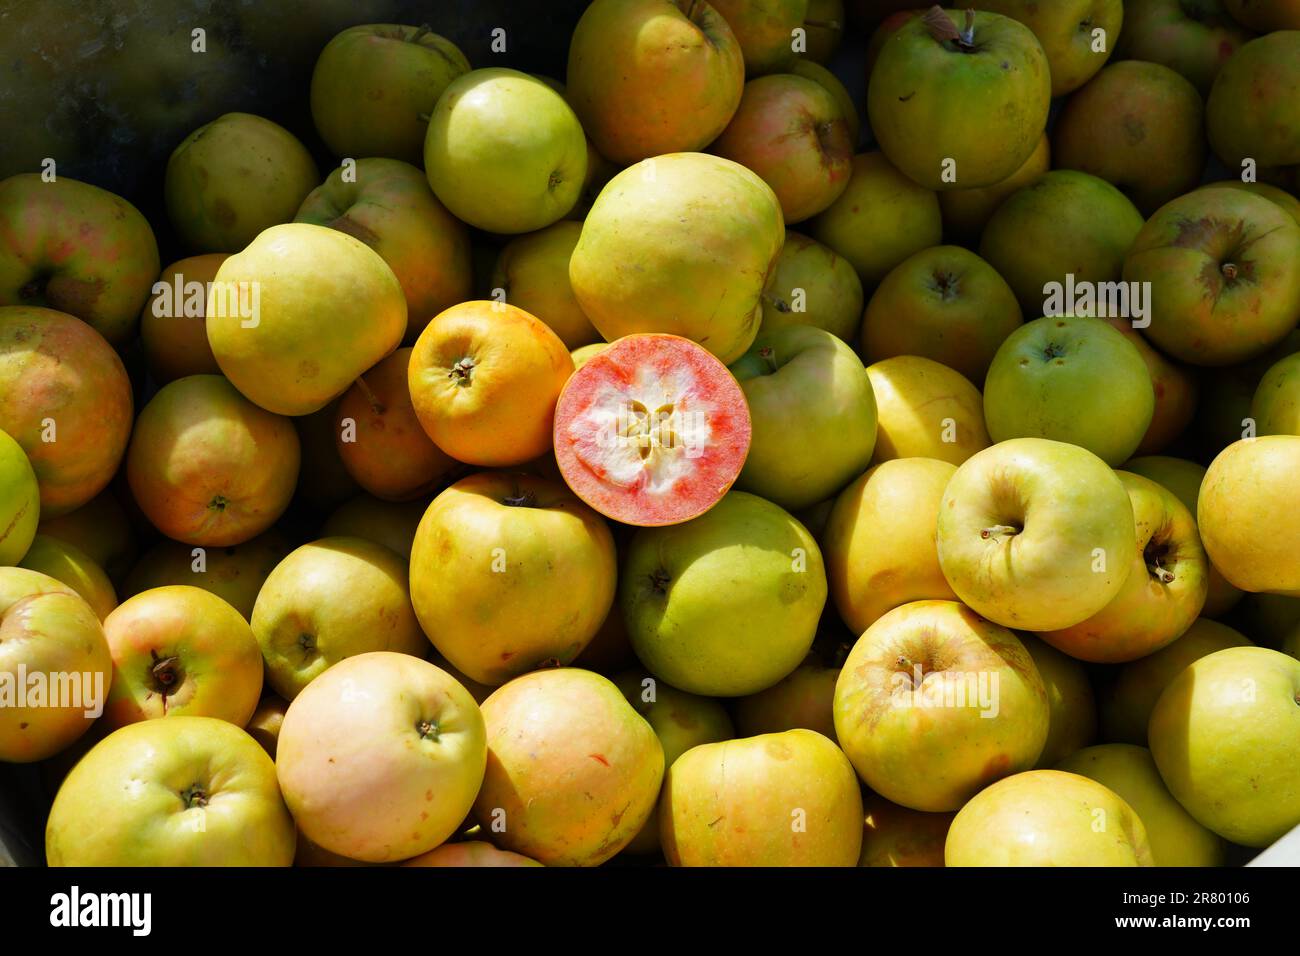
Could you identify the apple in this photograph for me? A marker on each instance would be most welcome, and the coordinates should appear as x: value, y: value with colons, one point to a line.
x: 100, y: 528
x: 20, y: 501
x: 1070, y: 700
x: 380, y: 758
x: 389, y: 206
x: 234, y: 177
x: 944, y: 303
x: 787, y: 799
x: 791, y: 131
x: 677, y: 216
x: 330, y: 600
x: 75, y: 248
x: 1036, y: 534
x: 1176, y: 390
x: 831, y: 83
x: 934, y: 703
x: 811, y: 284
x: 1194, y: 37
x: 1047, y: 818
x: 1224, y: 734
x: 880, y: 219
x: 765, y: 30
x: 187, y: 791
x: 896, y: 836
x: 234, y: 573
x: 173, y: 323
x: 813, y: 415
x: 967, y: 211
x: 533, y: 271
x: 925, y: 410
x: 1075, y: 380
x: 390, y: 523
x: 374, y: 86
x: 264, y: 726
x: 648, y: 78
x: 959, y: 106
x: 1078, y: 36
x: 1272, y: 193
x: 67, y: 563
x: 470, y: 853
x: 1176, y: 839
x: 323, y: 482
x: 1245, y: 533
x: 804, y: 698
x: 824, y: 29
x: 1252, y: 111
x: 1265, y: 15
x: 1135, y: 687
x: 1276, y: 405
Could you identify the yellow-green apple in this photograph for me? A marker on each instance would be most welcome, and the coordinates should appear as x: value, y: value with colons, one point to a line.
x: 1226, y: 291
x: 788, y: 799
x: 1245, y: 533
x: 1133, y: 690
x: 207, y: 466
x: 896, y: 836
x: 683, y: 625
x: 1253, y: 112
x: 812, y: 285
x: 1047, y: 818
x: 649, y: 78
x: 832, y: 84
x: 935, y: 703
x: 966, y: 211
x: 470, y: 853
x: 388, y: 205
x: 1276, y: 405
x: 1265, y: 15
x: 509, y: 572
x: 1175, y: 388
x: 234, y: 573
x: 1036, y: 534
x: 1176, y: 839
x: 1193, y: 37
x: 1224, y: 734
x: 266, y: 316
x: 188, y: 791
x: 380, y: 757
x: 824, y: 26
x: 100, y: 528
x: 1137, y: 125
x: 233, y: 178
x: 765, y: 30
x: 330, y: 600
x: 1078, y: 36
x: 374, y: 86
x: 173, y: 323
x: 75, y: 248
x: 20, y: 501
x: 573, y: 771
x: 180, y: 651
x: 680, y: 721
x: 533, y: 271
x: 264, y: 726
x: 956, y: 107
x: 1273, y: 194
x: 803, y: 698
x: 880, y: 219
x: 390, y: 523
x: 647, y: 259
x: 1064, y: 223
x: 67, y: 563
x: 791, y: 131
x: 944, y: 303
x: 1164, y: 591
x: 925, y: 410
x: 55, y: 668
x: 504, y: 151
x: 879, y: 540
x: 807, y: 391
x: 66, y: 399
x: 1070, y: 379
x: 1070, y: 701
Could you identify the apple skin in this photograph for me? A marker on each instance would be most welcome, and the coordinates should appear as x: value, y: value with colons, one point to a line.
x: 380, y: 758
x: 1035, y: 534
x: 1070, y: 700
x: 764, y: 29
x: 234, y: 573
x: 812, y: 413
x: 1047, y: 818
x: 176, y: 342
x: 1253, y: 110
x: 791, y: 132
x: 390, y: 523
x: 1176, y: 391
x: 372, y: 85
x: 1272, y: 193
x: 1224, y: 734
x: 925, y: 410
x: 879, y: 540
x: 1176, y: 839
x: 896, y: 836
x: 470, y: 853
x: 75, y: 248
x: 1193, y: 37
x: 504, y: 151
x: 264, y: 726
x: 20, y: 501
x: 67, y: 563
x: 118, y: 806
x: 233, y: 178
x: 1265, y: 15
x: 534, y: 272
x: 831, y: 290
x: 832, y: 84
x: 967, y: 211
x: 1276, y: 404
x: 100, y: 528
x: 1065, y: 29
x: 944, y: 303
x: 1164, y: 592
x: 647, y: 79
x: 1070, y: 379
x: 803, y: 698
x: 1245, y: 533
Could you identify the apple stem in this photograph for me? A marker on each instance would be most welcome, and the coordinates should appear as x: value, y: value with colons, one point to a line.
x: 944, y: 30
x: 1229, y: 271
x: 998, y: 530
x: 1160, y: 574
x: 375, y: 404
x: 776, y: 302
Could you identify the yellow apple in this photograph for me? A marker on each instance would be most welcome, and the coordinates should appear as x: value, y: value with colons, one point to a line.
x: 1070, y: 700
x: 925, y: 410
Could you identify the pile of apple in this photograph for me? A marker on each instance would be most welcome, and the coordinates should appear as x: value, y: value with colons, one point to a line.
x: 495, y: 487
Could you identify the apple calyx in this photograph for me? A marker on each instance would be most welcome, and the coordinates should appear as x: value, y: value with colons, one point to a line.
x: 307, y: 642
x: 194, y: 796
x: 944, y: 30
x: 218, y: 502
x: 428, y: 729
x: 34, y: 289
x: 462, y: 373
x: 1229, y: 270
x: 659, y: 580
x: 999, y: 530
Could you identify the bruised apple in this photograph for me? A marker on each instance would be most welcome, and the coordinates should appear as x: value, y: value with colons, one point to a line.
x: 652, y: 430
x: 925, y: 410
x: 233, y: 573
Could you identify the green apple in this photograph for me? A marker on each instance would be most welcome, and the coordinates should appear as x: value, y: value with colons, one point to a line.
x: 20, y: 501
x: 813, y: 415
x: 1070, y: 699
x: 1070, y: 379
x: 1225, y: 734
x: 1078, y: 36
x: 67, y: 563
x: 812, y: 285
x: 1276, y: 405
